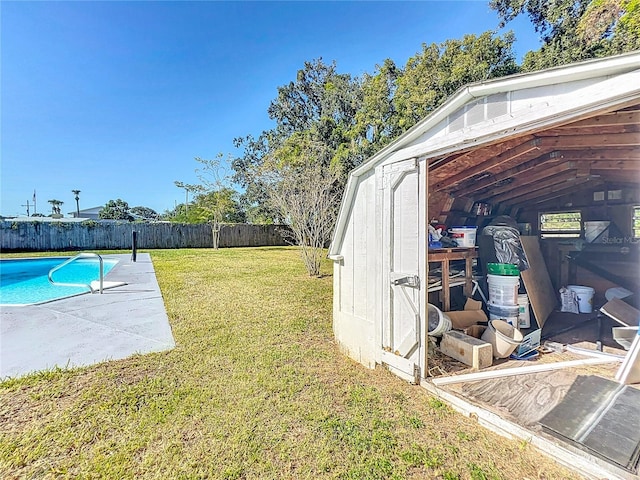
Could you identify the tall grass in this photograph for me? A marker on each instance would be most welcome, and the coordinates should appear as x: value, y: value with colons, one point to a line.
x: 255, y: 388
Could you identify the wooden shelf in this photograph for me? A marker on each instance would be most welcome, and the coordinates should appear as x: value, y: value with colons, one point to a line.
x: 444, y: 256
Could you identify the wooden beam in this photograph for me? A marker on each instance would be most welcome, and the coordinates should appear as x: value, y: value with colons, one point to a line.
x: 547, y: 196
x: 522, y: 180
x: 479, y: 167
x: 619, y: 165
x: 589, y: 131
x: 601, y: 154
x: 469, y: 350
x: 614, y: 118
x: 442, y: 170
x: 472, y: 186
x: 631, y: 176
x: 549, y: 185
x: 600, y: 140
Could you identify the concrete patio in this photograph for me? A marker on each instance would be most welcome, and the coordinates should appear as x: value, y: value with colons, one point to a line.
x: 88, y: 329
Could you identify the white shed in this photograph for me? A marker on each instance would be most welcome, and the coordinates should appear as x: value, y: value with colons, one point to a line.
x: 489, y: 129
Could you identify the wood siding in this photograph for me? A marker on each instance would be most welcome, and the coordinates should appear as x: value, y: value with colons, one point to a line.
x: 54, y: 236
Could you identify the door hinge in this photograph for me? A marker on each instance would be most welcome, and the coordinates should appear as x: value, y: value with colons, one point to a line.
x: 408, y: 280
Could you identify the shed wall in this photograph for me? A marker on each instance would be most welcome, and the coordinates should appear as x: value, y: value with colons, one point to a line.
x: 357, y: 299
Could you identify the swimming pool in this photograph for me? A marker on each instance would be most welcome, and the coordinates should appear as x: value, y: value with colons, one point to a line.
x: 25, y: 281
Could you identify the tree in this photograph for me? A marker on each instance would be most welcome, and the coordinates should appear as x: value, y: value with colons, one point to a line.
x: 320, y: 106
x: 305, y: 193
x: 245, y: 167
x: 77, y: 198
x: 573, y: 30
x: 215, y: 202
x: 116, y: 210
x: 56, y: 207
x: 144, y: 213
x: 376, y: 122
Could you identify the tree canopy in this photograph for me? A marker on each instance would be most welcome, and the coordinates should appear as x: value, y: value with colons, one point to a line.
x: 345, y: 119
x: 144, y: 213
x: 573, y: 30
x: 115, y: 210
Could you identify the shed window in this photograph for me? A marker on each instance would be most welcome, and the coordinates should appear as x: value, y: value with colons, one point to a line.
x: 560, y: 224
x: 636, y: 222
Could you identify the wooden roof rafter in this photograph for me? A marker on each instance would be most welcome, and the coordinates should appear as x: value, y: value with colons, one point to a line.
x: 481, y: 161
x: 479, y: 186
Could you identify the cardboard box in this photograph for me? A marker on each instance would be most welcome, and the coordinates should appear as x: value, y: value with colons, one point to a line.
x: 471, y: 315
x: 475, y: 331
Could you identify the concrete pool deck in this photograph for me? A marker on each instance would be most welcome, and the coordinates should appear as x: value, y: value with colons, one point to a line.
x: 88, y: 329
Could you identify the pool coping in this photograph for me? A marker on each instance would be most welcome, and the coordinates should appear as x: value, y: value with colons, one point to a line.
x: 89, y: 328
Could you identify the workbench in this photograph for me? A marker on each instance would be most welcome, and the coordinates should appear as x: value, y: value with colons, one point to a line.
x: 444, y: 256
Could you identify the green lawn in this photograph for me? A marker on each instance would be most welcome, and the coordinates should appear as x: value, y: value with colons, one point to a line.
x: 255, y: 388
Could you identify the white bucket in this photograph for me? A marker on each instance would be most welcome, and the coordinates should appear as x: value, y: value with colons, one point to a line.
x: 437, y: 322
x: 508, y: 313
x: 503, y: 289
x: 504, y: 338
x: 585, y: 297
x: 464, y: 236
x: 523, y: 311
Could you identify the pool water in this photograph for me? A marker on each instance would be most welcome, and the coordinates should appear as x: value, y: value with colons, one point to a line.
x: 25, y: 281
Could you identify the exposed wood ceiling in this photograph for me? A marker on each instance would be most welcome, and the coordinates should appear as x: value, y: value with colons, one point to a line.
x: 595, y: 152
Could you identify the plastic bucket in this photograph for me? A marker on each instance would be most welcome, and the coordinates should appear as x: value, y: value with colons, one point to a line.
x: 438, y: 323
x: 508, y: 313
x: 523, y: 311
x: 504, y: 338
x: 464, y: 236
x: 585, y: 297
x: 503, y: 290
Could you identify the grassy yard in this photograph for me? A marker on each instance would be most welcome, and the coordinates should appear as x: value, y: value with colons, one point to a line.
x: 255, y: 389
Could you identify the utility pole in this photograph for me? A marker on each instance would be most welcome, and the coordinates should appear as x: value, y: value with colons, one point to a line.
x: 27, y: 205
x: 186, y: 194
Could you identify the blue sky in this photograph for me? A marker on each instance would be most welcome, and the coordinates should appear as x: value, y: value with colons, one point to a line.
x: 117, y: 98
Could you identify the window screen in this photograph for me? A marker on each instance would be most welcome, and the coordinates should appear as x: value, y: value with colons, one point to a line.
x: 560, y: 224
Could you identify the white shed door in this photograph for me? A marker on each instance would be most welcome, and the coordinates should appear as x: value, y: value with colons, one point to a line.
x: 401, y: 344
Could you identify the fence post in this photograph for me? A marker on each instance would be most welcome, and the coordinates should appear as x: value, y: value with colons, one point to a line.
x: 134, y: 244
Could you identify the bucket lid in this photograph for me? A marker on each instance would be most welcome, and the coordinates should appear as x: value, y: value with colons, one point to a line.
x: 507, y: 269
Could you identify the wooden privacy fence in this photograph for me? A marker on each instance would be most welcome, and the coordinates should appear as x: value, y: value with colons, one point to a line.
x: 90, y: 235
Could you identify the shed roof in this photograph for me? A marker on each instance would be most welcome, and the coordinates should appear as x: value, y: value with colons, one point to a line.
x: 550, y: 115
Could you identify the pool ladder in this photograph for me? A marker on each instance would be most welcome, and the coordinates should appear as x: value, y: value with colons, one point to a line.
x: 80, y: 255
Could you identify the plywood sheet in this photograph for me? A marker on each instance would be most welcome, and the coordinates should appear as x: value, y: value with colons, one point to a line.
x: 542, y: 296
x: 523, y: 398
